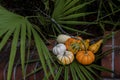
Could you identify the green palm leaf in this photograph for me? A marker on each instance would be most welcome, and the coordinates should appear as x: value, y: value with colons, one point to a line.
x: 78, y: 71
x: 73, y: 9
x: 76, y: 22
x: 6, y: 37
x: 77, y: 15
x: 22, y: 30
x: 22, y: 47
x: 100, y: 68
x: 70, y: 3
x: 66, y: 73
x: 93, y: 72
x: 2, y: 32
x: 76, y: 30
x: 86, y: 73
x: 13, y: 52
x: 68, y: 12
x: 59, y: 71
x: 42, y: 53
x: 58, y: 8
x: 73, y: 72
x: 67, y: 2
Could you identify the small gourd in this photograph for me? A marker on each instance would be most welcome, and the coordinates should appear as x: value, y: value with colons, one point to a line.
x: 85, y: 45
x: 66, y: 58
x: 85, y: 57
x: 95, y: 47
x: 62, y: 38
x: 73, y: 45
x: 59, y: 49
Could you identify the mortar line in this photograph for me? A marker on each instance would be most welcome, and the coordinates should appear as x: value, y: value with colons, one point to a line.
x: 113, y: 53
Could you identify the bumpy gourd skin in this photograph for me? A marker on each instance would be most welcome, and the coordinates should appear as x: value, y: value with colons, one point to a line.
x: 85, y: 45
x: 85, y: 57
x: 95, y: 47
x: 73, y: 45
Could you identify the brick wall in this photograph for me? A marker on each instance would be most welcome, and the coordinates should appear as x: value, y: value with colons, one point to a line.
x: 112, y: 61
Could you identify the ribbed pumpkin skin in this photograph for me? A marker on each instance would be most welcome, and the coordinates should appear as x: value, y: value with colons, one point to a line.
x: 73, y: 45
x: 85, y: 58
x: 62, y: 38
x: 65, y: 59
x: 59, y: 49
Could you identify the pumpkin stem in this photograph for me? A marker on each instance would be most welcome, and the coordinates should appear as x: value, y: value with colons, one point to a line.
x: 84, y: 46
x: 82, y: 43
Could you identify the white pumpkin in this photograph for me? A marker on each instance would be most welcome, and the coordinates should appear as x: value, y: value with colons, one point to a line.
x: 59, y: 49
x: 62, y: 38
x: 65, y: 59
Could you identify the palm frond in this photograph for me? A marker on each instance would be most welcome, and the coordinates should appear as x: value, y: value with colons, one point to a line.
x: 86, y: 73
x: 58, y: 73
x: 6, y: 37
x: 22, y: 30
x: 68, y: 1
x: 77, y: 15
x: 66, y: 73
x: 13, y: 52
x: 76, y: 30
x: 22, y: 47
x: 79, y: 72
x: 70, y: 4
x: 76, y: 22
x: 93, y: 72
x: 73, y: 72
x: 73, y: 9
x: 100, y: 68
x: 66, y: 13
x: 58, y: 8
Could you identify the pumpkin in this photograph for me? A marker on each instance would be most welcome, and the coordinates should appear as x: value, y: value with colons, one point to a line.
x: 59, y: 49
x: 84, y: 44
x: 73, y: 45
x: 65, y: 59
x: 95, y: 47
x: 62, y: 38
x: 85, y: 57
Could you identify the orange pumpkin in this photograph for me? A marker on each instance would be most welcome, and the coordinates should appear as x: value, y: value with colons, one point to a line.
x: 73, y: 45
x: 85, y: 57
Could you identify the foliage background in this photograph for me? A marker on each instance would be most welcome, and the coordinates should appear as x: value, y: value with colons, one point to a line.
x: 31, y: 23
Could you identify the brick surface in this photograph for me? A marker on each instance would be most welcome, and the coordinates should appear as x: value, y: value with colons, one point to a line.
x: 117, y: 63
x: 107, y: 61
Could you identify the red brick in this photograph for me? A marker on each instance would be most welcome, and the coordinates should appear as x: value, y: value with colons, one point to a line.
x: 108, y: 42
x: 117, y: 39
x: 107, y: 61
x: 117, y: 63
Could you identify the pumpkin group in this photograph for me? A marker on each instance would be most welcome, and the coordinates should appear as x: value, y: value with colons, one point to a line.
x: 70, y: 46
x: 85, y: 57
